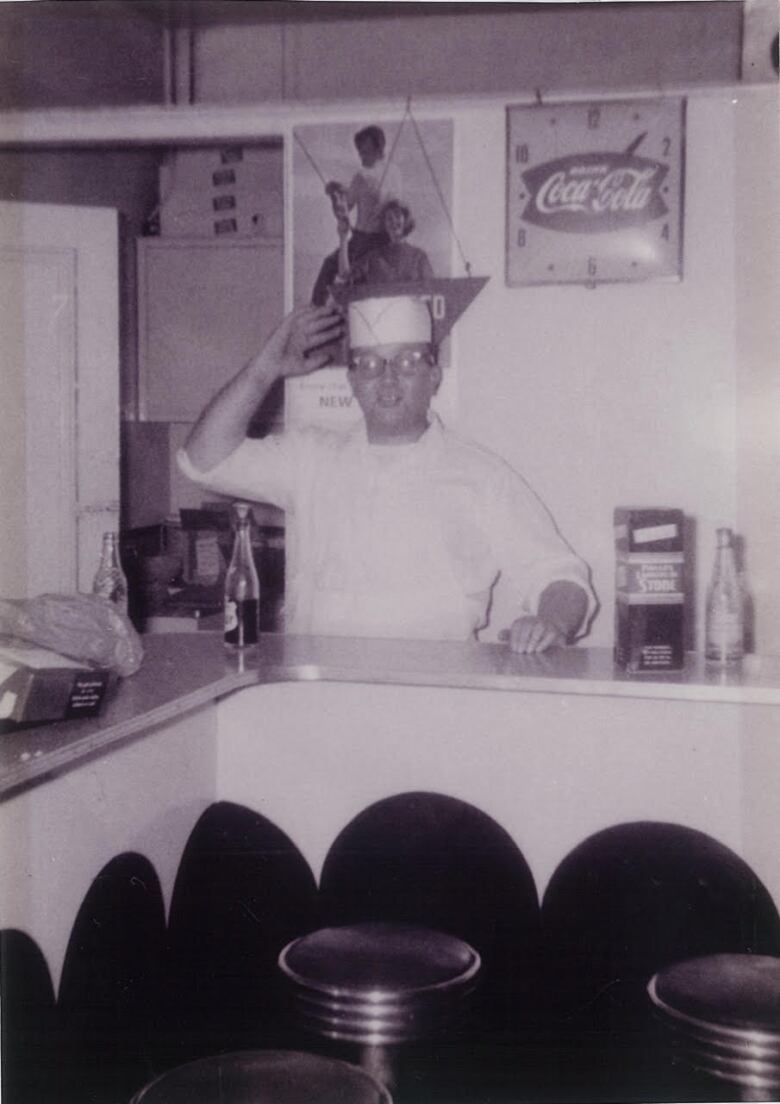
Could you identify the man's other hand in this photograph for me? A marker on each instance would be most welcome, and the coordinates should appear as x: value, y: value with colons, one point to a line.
x: 532, y: 634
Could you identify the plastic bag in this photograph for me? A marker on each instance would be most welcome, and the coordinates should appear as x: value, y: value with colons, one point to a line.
x: 81, y: 626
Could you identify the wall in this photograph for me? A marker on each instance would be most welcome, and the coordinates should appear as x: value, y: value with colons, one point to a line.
x: 585, y: 46
x: 76, y: 55
x: 671, y: 408
x: 757, y: 234
x: 622, y: 395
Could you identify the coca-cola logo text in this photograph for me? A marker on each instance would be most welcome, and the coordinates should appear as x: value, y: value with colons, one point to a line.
x: 595, y: 192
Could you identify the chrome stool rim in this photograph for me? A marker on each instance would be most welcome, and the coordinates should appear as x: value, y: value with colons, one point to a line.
x: 734, y: 1042
x: 279, y: 1062
x: 394, y: 983
x: 374, y: 992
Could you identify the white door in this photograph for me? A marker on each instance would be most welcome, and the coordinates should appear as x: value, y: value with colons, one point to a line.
x: 59, y: 403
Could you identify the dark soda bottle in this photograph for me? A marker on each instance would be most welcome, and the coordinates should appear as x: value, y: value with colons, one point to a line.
x: 242, y: 588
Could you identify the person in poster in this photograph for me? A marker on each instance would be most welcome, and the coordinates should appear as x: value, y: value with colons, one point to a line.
x: 394, y: 261
x: 324, y: 172
x: 376, y: 181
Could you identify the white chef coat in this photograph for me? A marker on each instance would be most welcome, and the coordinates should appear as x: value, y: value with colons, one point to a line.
x: 397, y: 540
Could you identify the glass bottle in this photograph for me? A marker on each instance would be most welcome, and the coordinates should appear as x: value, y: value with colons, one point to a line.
x: 242, y: 588
x: 725, y: 622
x: 110, y: 580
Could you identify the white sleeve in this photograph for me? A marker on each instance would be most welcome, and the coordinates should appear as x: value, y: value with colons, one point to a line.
x: 264, y: 470
x: 392, y: 185
x: 530, y: 550
x: 356, y: 186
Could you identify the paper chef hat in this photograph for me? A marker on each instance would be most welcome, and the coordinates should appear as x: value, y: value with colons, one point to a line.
x: 421, y: 313
x: 398, y: 319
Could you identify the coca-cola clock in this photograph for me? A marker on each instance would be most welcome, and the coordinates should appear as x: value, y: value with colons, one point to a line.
x: 595, y: 191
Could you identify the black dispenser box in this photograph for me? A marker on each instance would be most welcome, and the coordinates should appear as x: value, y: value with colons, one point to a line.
x: 649, y: 594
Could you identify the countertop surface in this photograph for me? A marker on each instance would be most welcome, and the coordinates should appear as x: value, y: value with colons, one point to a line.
x: 183, y: 671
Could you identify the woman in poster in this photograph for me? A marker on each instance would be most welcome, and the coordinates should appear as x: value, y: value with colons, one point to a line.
x: 394, y: 261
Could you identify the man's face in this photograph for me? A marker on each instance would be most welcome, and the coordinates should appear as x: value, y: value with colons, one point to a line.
x: 368, y: 152
x: 394, y: 385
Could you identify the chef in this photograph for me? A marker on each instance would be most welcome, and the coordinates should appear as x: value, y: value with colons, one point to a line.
x: 398, y: 527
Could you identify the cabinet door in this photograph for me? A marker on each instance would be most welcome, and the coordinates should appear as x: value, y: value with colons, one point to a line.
x: 205, y: 307
x: 59, y: 419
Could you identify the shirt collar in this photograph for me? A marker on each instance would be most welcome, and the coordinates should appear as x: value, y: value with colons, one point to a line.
x: 429, y: 442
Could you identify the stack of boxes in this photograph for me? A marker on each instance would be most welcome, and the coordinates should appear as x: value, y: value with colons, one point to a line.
x: 230, y: 191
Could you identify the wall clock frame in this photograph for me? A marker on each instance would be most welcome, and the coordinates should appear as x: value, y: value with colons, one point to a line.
x: 595, y: 191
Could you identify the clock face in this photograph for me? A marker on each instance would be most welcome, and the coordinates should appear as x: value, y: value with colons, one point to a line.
x: 595, y: 191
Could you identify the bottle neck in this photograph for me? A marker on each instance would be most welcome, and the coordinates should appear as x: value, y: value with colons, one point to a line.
x: 243, y: 543
x: 110, y: 552
x: 725, y: 568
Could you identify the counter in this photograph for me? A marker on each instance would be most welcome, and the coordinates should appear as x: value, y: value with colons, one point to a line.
x: 184, y: 671
x: 311, y: 732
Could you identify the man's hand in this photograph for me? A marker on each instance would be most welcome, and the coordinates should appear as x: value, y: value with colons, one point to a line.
x: 532, y: 634
x: 303, y: 342
x: 562, y: 608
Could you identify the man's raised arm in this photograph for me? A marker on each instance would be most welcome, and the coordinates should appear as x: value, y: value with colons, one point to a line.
x: 301, y: 343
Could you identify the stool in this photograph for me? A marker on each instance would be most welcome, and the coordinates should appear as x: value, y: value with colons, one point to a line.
x: 379, y: 985
x: 264, y: 1077
x: 723, y: 1012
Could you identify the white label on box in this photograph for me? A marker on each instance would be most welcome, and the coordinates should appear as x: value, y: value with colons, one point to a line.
x: 654, y: 533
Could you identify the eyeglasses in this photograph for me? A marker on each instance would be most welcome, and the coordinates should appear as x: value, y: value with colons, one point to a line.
x: 371, y: 366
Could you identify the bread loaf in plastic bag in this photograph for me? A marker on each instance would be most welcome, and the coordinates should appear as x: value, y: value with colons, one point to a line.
x: 81, y: 626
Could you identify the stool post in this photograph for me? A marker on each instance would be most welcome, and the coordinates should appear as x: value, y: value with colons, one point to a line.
x: 377, y: 1060
x: 748, y: 1094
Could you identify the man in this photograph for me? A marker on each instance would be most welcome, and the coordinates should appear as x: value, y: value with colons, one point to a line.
x: 398, y: 528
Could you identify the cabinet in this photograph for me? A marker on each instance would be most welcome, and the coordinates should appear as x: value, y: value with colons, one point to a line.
x: 204, y: 308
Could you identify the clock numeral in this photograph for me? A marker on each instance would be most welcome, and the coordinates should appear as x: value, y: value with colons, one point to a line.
x: 666, y: 145
x: 665, y: 231
x: 521, y: 237
x: 522, y: 153
x: 592, y: 266
x: 594, y: 118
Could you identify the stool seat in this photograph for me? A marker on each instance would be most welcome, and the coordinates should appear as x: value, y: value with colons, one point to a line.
x: 264, y: 1077
x: 379, y: 983
x: 723, y: 1012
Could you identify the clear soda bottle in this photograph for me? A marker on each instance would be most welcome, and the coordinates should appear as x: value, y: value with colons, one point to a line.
x: 242, y: 588
x: 110, y: 580
x: 725, y: 620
